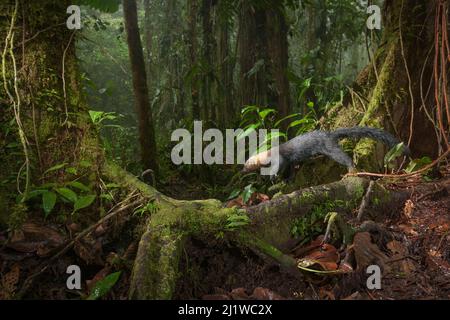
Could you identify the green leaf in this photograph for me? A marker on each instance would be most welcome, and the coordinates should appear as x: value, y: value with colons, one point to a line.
x: 48, y: 202
x: 72, y: 170
x: 277, y: 124
x: 247, y: 193
x: 264, y: 113
x: 417, y: 164
x: 248, y: 109
x: 252, y: 128
x: 85, y: 163
x: 83, y: 202
x: 35, y: 193
x: 96, y: 116
x: 109, y: 6
x: 68, y: 194
x: 236, y: 224
x: 104, y: 286
x: 237, y: 220
x: 234, y: 194
x: 269, y: 138
x: 112, y: 186
x: 298, y: 122
x: 79, y: 186
x: 393, y: 154
x: 56, y: 167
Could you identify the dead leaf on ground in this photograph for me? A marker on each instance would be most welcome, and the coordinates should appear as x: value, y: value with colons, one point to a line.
x: 265, y: 294
x: 33, y: 237
x: 326, y: 256
x: 354, y: 296
x: 239, y: 294
x: 400, y: 253
x: 90, y: 250
x: 256, y: 198
x: 8, y: 284
x: 216, y: 297
x: 408, y: 209
x: 367, y: 253
x: 326, y: 294
x: 238, y: 202
x: 435, y: 261
x: 408, y: 230
x: 301, y: 251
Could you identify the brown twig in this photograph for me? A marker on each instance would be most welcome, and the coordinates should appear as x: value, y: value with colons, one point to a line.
x: 401, y: 176
x: 365, y: 201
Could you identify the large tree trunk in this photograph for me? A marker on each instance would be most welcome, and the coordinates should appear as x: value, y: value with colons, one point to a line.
x: 193, y: 61
x: 277, y: 39
x: 263, y: 56
x: 396, y: 85
x: 45, y: 100
x: 146, y: 130
x: 396, y: 88
x: 209, y: 49
x: 226, y: 111
x: 148, y: 38
x: 252, y: 56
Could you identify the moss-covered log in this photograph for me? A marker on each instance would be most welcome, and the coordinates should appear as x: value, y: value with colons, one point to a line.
x: 156, y: 269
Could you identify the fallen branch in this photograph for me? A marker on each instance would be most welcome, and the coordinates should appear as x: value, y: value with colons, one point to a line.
x: 156, y: 269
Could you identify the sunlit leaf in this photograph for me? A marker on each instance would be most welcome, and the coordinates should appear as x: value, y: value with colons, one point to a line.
x: 103, y: 286
x: 108, y: 6
x: 79, y: 185
x: 247, y: 193
x: 234, y: 194
x: 83, y: 202
x: 56, y: 167
x: 48, y: 202
x: 67, y: 194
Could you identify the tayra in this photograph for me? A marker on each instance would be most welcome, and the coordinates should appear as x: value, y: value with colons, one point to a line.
x: 306, y: 146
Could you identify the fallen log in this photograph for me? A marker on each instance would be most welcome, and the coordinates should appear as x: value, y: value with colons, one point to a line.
x: 156, y: 267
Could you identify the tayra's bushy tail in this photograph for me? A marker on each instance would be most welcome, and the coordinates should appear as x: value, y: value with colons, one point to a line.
x: 366, y: 132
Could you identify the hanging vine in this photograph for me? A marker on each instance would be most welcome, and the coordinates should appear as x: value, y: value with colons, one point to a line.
x: 16, y: 101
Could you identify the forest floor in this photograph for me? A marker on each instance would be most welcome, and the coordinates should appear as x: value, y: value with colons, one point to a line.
x: 415, y: 260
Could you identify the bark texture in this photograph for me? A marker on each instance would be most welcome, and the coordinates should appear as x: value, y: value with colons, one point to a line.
x: 143, y: 109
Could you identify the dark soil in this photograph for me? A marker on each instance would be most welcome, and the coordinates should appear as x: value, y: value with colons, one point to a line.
x: 214, y: 269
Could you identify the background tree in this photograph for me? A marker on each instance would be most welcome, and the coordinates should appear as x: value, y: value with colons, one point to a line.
x: 145, y: 118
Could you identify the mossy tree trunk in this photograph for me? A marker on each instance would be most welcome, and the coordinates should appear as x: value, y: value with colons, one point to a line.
x: 45, y: 101
x: 394, y: 88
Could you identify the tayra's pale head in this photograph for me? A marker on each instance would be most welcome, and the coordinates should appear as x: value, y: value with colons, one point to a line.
x: 257, y: 161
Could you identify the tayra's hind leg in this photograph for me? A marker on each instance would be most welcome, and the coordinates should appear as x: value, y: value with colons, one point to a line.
x: 289, y: 173
x: 338, y: 155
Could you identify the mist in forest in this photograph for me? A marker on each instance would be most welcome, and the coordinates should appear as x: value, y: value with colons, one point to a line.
x: 224, y: 150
